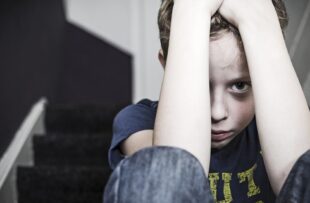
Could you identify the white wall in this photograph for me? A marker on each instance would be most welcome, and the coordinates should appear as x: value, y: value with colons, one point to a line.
x: 132, y: 26
x: 107, y: 19
x: 298, y: 40
x: 306, y: 87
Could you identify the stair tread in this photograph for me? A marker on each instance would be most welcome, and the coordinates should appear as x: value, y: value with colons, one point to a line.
x: 80, y: 118
x: 61, y: 184
x: 106, y: 133
x: 71, y: 150
x: 60, y: 178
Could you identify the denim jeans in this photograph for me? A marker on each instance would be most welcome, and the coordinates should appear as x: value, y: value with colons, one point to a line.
x: 167, y: 175
x: 296, y: 188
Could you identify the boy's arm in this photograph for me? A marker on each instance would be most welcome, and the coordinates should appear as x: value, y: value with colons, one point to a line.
x: 282, y: 114
x: 183, y: 114
x: 137, y: 141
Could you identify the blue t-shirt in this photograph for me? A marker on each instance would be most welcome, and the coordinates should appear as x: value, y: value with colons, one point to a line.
x: 237, y: 172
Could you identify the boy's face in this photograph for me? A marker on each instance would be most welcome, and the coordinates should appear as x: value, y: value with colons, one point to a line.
x: 232, y: 103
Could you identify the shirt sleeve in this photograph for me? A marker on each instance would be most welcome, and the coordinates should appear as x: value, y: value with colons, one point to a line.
x: 131, y: 119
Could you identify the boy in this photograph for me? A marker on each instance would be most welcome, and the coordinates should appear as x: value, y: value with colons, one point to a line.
x: 240, y: 112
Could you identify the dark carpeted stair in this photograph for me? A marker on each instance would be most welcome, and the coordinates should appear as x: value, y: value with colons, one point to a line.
x: 71, y: 159
x: 47, y: 184
x: 72, y: 149
x: 80, y: 119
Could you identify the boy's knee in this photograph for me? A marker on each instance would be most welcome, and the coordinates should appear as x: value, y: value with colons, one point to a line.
x: 161, y: 174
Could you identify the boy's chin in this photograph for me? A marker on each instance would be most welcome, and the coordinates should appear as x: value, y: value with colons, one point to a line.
x: 221, y: 144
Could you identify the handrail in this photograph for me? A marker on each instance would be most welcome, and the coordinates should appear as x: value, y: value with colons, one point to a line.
x: 19, y: 140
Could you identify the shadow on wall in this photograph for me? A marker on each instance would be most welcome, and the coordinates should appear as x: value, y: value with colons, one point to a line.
x: 43, y: 55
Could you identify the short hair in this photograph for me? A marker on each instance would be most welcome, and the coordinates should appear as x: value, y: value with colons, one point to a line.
x: 218, y: 23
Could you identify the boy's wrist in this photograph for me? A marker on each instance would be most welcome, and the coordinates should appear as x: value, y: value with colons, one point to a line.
x: 258, y: 28
x: 196, y: 6
x: 258, y: 20
x: 250, y: 13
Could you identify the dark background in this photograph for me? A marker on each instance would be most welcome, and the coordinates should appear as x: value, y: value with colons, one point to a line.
x: 42, y: 55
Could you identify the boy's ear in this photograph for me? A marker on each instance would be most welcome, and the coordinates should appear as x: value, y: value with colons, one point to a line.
x: 161, y: 58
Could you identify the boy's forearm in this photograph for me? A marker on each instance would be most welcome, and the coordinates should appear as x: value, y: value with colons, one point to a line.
x: 282, y: 113
x: 183, y: 116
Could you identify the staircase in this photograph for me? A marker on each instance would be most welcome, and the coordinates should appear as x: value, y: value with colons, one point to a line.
x: 71, y: 158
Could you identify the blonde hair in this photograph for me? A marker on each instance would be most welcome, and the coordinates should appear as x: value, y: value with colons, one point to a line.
x: 218, y: 24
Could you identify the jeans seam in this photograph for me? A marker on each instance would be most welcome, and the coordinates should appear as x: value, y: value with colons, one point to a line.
x: 117, y: 185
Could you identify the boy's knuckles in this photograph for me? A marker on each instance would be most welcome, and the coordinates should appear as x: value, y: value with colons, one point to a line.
x: 214, y: 5
x: 211, y: 5
x: 237, y: 11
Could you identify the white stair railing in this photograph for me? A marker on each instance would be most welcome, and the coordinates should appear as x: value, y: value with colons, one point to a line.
x: 20, y: 152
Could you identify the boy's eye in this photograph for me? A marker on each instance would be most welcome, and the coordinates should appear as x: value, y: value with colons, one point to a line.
x: 241, y: 87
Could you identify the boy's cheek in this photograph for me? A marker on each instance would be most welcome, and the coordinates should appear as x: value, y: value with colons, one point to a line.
x: 244, y: 112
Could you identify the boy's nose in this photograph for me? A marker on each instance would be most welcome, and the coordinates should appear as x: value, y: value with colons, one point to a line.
x: 218, y: 111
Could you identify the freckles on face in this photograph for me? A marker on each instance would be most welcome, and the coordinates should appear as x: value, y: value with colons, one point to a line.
x: 232, y: 103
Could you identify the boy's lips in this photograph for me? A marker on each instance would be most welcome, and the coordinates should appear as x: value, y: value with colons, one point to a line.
x: 220, y: 135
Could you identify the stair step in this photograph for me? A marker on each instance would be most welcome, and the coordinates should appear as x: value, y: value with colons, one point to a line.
x: 61, y: 184
x: 78, y: 149
x: 80, y: 118
x: 107, y: 134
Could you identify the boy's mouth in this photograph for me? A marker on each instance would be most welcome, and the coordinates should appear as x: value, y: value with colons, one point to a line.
x: 220, y: 135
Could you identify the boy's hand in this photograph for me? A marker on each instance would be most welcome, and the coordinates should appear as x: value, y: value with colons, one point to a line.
x: 211, y: 6
x: 239, y: 12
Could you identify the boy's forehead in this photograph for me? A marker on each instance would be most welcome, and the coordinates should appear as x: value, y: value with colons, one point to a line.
x: 227, y: 44
x: 226, y: 53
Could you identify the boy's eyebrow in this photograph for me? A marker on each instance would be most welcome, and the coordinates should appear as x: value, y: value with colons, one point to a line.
x: 240, y: 78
